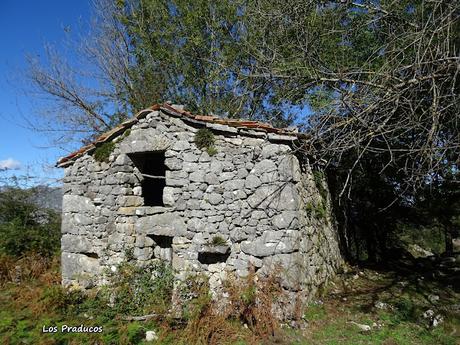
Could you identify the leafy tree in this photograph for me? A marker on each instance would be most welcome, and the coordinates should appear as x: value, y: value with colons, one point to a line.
x: 24, y: 227
x: 142, y: 52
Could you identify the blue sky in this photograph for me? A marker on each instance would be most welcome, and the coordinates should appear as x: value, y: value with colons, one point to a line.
x: 25, y: 26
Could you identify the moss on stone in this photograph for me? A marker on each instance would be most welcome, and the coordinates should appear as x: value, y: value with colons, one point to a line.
x: 102, y: 153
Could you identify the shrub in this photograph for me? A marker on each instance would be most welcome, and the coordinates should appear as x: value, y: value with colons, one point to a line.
x: 17, y: 240
x: 137, y: 290
x: 30, y: 266
x: 317, y: 211
x: 24, y: 227
x: 195, y: 296
x: 248, y: 296
x: 102, y: 153
x: 406, y: 310
x: 204, y: 138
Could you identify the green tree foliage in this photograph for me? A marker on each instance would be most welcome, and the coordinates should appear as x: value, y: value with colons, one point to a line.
x: 24, y: 227
x: 142, y: 52
x: 194, y: 48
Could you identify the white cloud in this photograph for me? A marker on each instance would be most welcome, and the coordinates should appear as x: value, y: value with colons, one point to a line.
x: 9, y: 164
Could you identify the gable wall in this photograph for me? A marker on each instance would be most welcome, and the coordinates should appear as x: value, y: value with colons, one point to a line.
x: 254, y: 193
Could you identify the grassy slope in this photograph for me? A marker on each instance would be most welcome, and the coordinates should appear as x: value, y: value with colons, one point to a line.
x: 400, y: 322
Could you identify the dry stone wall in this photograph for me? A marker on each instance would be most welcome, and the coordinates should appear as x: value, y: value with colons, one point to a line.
x: 252, y: 204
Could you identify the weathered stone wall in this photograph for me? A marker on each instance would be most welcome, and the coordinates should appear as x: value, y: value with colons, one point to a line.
x: 253, y: 193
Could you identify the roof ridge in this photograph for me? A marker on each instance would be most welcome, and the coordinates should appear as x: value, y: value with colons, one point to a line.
x: 214, y: 122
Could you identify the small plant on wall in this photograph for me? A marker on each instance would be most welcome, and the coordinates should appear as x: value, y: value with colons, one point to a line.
x: 218, y: 241
x: 204, y: 139
x: 102, y: 153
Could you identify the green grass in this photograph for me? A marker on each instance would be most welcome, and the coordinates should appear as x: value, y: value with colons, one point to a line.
x: 401, y: 323
x: 315, y: 312
x: 429, y: 238
x: 27, y: 307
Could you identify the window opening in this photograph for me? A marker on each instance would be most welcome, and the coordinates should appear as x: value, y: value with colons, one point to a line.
x: 153, y: 169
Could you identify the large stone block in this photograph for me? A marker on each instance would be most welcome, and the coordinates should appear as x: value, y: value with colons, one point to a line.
x: 173, y: 163
x: 285, y: 219
x: 166, y: 224
x: 291, y: 268
x: 75, y: 244
x: 274, y: 150
x: 75, y: 266
x: 289, y: 169
x: 131, y: 201
x: 263, y: 196
x: 70, y: 266
x: 168, y: 196
x: 68, y: 225
x: 270, y: 243
x: 77, y: 204
x: 264, y: 166
x: 180, y: 145
x: 252, y: 182
x: 143, y: 254
x: 197, y: 176
x: 148, y: 139
x: 233, y: 184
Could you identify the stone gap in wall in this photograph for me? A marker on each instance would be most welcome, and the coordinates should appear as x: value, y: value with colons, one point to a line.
x: 212, y: 258
x: 152, y: 167
x: 91, y: 255
x: 162, y: 241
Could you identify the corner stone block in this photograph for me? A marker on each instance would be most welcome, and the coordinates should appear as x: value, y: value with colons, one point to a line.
x: 76, y: 203
x: 290, y: 268
x: 288, y: 198
x: 70, y: 266
x: 74, y: 265
x: 67, y: 224
x: 75, y: 244
x: 284, y: 219
x: 263, y: 196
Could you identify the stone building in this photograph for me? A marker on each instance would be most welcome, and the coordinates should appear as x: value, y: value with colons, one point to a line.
x: 246, y: 200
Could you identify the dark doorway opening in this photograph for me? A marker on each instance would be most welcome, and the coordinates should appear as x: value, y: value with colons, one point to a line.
x: 153, y: 169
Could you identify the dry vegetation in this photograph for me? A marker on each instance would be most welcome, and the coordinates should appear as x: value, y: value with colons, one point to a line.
x: 392, y: 305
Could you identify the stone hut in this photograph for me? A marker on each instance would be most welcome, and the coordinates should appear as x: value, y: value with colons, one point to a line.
x: 245, y: 201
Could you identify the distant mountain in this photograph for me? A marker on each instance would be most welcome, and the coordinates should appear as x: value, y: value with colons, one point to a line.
x: 48, y: 197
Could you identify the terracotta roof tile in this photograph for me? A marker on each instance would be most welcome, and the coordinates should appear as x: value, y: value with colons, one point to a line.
x: 109, y: 135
